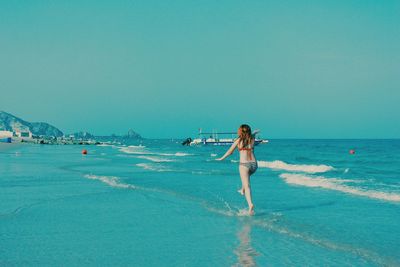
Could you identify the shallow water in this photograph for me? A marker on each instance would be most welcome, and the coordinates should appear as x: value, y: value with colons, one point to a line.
x: 161, y: 204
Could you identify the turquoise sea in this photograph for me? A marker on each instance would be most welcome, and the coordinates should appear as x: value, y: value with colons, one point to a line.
x: 158, y: 203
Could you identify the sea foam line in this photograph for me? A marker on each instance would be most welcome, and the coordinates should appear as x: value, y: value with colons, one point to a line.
x: 153, y: 167
x: 155, y: 159
x: 280, y: 165
x: 110, y: 180
x: 337, y: 185
x: 141, y: 150
x: 134, y: 150
x: 177, y: 154
x: 105, y: 145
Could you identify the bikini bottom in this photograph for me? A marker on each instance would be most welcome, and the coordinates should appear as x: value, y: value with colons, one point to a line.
x: 252, y: 166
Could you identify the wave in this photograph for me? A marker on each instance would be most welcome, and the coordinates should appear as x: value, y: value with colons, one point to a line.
x: 337, y: 185
x: 182, y: 154
x: 280, y: 165
x: 110, y: 145
x: 105, y: 145
x: 177, y: 154
x: 134, y: 150
x: 155, y: 159
x: 141, y: 150
x: 153, y: 167
x: 110, y: 180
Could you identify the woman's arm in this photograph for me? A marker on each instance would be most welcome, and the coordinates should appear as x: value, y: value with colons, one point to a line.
x: 230, y: 150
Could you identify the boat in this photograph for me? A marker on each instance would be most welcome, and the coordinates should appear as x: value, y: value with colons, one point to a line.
x: 220, y: 138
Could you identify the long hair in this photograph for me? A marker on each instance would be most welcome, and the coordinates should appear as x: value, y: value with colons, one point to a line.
x: 245, y: 136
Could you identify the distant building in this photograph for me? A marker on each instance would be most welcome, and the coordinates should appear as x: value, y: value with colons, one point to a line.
x: 4, y: 134
x: 26, y: 134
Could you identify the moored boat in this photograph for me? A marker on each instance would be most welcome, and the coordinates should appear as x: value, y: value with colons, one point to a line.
x: 221, y: 138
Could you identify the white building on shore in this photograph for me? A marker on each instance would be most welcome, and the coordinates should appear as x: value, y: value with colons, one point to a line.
x: 20, y: 134
x: 26, y: 134
x: 5, y: 134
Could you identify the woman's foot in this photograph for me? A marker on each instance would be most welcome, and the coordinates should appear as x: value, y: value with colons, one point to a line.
x: 251, y: 210
x: 241, y: 191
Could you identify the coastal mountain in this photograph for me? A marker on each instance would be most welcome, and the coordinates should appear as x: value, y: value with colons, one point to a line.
x: 133, y: 135
x: 11, y: 123
x: 83, y: 135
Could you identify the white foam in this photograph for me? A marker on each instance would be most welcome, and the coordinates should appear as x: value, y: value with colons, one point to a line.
x: 230, y: 213
x: 181, y: 154
x: 141, y: 150
x: 213, y: 155
x: 139, y: 146
x: 153, y: 167
x: 177, y: 154
x: 280, y: 165
x: 338, y: 185
x: 243, y: 212
x: 155, y: 159
x: 109, y: 145
x: 134, y: 150
x: 110, y: 180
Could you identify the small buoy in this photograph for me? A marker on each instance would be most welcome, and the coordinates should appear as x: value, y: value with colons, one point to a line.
x: 84, y: 152
x: 352, y: 151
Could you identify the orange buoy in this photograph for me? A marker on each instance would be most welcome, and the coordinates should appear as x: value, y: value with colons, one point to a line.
x: 352, y: 151
x: 84, y: 152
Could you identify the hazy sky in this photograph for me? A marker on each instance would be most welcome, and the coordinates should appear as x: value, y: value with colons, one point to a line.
x: 294, y: 69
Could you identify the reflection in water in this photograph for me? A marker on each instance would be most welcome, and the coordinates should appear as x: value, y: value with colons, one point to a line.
x: 245, y: 252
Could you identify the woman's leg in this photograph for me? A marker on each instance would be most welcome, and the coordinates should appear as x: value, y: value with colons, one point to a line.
x: 245, y: 177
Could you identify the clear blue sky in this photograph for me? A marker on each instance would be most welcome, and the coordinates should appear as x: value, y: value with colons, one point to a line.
x: 294, y: 69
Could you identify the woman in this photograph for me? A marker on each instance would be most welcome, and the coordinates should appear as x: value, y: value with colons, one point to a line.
x: 247, y: 163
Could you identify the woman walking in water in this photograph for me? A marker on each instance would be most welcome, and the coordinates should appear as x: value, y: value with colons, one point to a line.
x: 247, y: 163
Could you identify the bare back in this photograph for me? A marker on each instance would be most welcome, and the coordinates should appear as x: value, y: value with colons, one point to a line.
x: 246, y: 153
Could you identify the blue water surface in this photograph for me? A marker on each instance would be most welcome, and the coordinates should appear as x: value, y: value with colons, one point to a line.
x: 158, y: 203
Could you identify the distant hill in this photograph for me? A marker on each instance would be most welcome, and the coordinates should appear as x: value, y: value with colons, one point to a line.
x: 133, y: 135
x: 83, y: 135
x: 9, y: 122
